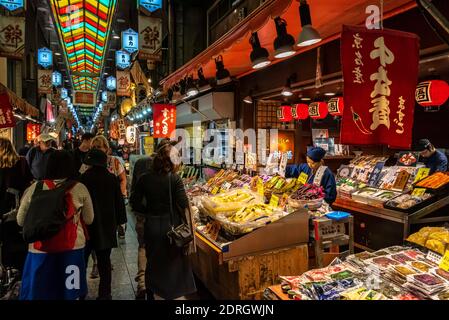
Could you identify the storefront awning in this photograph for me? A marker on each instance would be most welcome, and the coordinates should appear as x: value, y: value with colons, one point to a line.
x: 327, y: 17
x: 19, y: 103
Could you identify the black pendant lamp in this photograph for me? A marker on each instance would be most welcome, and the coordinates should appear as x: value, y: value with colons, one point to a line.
x: 284, y: 42
x: 223, y: 76
x: 259, y: 55
x: 309, y: 35
x: 191, y: 88
x: 202, y: 81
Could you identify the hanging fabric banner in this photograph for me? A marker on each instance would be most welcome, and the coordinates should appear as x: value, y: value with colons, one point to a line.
x: 164, y: 116
x: 44, y: 81
x: 123, y: 83
x: 6, y: 115
x: 12, y: 37
x: 33, y: 130
x: 380, y: 72
x: 150, y: 38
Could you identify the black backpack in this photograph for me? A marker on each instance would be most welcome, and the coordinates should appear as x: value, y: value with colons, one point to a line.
x: 47, y: 212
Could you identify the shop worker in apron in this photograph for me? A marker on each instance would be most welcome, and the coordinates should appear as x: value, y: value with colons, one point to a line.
x: 433, y: 159
x: 317, y: 173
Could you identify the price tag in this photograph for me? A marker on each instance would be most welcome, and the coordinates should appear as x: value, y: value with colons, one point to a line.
x: 215, y: 190
x: 418, y: 192
x: 422, y: 173
x: 401, y: 181
x: 226, y: 186
x: 274, y: 201
x: 279, y: 184
x: 444, y: 263
x: 303, y: 177
x: 434, y: 257
x: 260, y: 188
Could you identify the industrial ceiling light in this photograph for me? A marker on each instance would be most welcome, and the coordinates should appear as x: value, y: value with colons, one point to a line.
x: 309, y: 35
x: 283, y: 44
x: 202, y: 81
x: 192, y: 90
x: 223, y: 76
x: 248, y: 99
x: 330, y: 94
x: 287, y: 91
x: 115, y: 36
x: 259, y: 55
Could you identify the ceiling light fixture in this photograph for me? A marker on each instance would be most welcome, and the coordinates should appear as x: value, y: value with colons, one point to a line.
x: 248, y: 99
x: 259, y: 55
x: 192, y: 90
x: 330, y: 94
x: 283, y: 44
x: 223, y: 76
x: 287, y: 91
x: 309, y: 35
x: 202, y: 81
x: 115, y: 36
x: 306, y: 99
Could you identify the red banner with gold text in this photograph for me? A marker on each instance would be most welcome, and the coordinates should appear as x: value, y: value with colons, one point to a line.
x: 164, y: 119
x: 6, y: 115
x: 380, y: 72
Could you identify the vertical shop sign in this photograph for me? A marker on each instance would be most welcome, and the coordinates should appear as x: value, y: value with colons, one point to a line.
x: 44, y: 57
x: 131, y: 134
x: 380, y: 70
x: 130, y: 41
x: 122, y: 59
x: 150, y: 38
x: 6, y: 115
x: 44, y: 81
x: 148, y: 6
x: 12, y: 5
x: 33, y: 130
x: 111, y: 83
x: 12, y: 37
x: 111, y: 100
x: 164, y: 116
x: 123, y: 84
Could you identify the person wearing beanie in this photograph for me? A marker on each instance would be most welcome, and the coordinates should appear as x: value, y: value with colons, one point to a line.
x: 316, y: 172
x: 434, y: 159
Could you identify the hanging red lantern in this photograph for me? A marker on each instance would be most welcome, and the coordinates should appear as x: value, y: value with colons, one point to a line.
x: 335, y: 106
x: 284, y: 113
x: 432, y: 93
x: 318, y: 110
x: 300, y: 111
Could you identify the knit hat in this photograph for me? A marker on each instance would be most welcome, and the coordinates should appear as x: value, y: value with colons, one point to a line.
x: 316, y: 154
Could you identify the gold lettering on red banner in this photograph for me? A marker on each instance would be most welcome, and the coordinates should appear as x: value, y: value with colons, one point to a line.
x: 358, y: 59
x: 401, y: 116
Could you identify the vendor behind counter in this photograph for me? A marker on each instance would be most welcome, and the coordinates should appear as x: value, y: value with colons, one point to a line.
x: 317, y: 173
x: 434, y: 159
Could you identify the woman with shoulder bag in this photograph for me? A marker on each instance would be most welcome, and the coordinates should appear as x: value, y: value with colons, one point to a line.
x: 168, y: 273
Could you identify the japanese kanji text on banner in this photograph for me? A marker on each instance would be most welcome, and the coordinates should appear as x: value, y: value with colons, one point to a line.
x: 164, y: 116
x: 380, y: 72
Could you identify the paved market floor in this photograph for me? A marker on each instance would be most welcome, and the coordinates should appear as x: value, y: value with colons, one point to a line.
x: 124, y: 261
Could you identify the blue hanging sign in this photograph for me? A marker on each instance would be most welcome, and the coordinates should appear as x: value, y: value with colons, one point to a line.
x: 104, y: 96
x: 111, y: 83
x: 12, y: 5
x: 64, y: 93
x: 122, y: 59
x: 151, y: 5
x: 56, y: 79
x: 45, y: 57
x: 130, y: 40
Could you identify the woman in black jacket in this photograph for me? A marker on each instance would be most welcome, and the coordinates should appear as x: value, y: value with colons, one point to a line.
x: 109, y: 212
x: 15, y: 176
x: 168, y: 273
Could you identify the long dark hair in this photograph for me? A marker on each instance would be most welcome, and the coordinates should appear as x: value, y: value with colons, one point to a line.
x: 162, y: 163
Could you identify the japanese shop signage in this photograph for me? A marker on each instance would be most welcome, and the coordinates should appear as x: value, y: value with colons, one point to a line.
x: 380, y: 70
x: 150, y: 38
x: 123, y: 83
x: 150, y: 5
x: 111, y: 100
x: 33, y: 130
x: 6, y: 116
x: 44, y: 81
x: 84, y: 98
x: 45, y: 57
x: 104, y: 96
x: 131, y: 134
x: 64, y: 93
x: 164, y: 116
x: 111, y: 83
x: 130, y: 40
x: 56, y: 78
x: 122, y: 59
x: 375, y: 175
x: 12, y: 37
x: 11, y: 5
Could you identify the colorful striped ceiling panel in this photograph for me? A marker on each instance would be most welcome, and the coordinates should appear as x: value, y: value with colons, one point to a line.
x: 84, y: 27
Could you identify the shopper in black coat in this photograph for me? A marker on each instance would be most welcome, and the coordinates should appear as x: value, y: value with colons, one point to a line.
x: 168, y: 273
x: 109, y: 212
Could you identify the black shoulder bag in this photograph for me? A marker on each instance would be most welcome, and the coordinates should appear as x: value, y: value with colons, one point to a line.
x: 180, y: 236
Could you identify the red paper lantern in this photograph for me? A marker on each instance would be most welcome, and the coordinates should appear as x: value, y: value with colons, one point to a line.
x: 335, y: 106
x: 300, y: 111
x: 432, y: 93
x: 284, y: 113
x: 318, y: 110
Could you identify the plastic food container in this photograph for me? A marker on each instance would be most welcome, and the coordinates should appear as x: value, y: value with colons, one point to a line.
x: 307, y: 204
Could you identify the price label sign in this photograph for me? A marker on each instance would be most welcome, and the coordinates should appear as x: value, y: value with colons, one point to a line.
x: 422, y: 173
x: 302, y: 179
x: 401, y: 181
x: 279, y: 184
x: 444, y: 263
x: 215, y: 190
x: 274, y: 201
x: 226, y: 186
x: 260, y: 188
x: 418, y: 192
x: 434, y: 257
